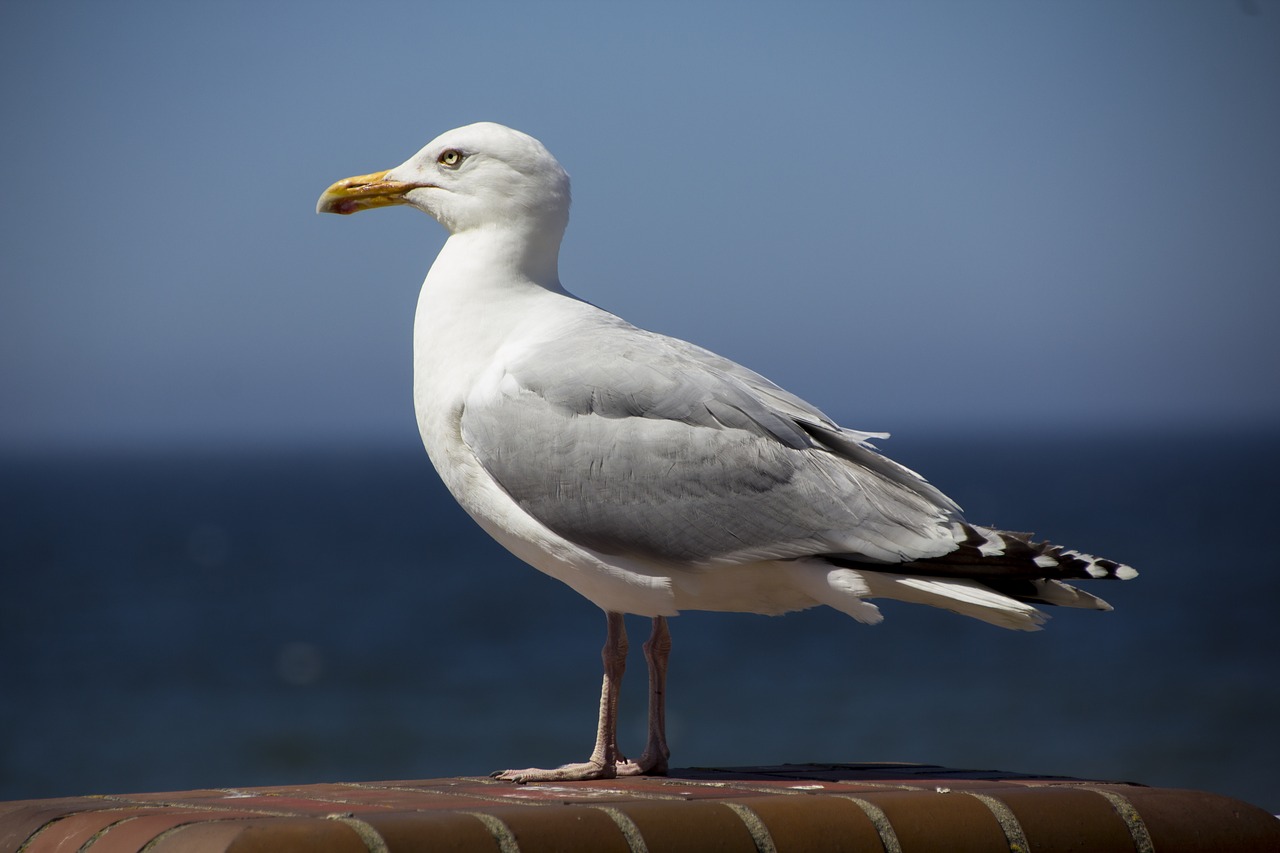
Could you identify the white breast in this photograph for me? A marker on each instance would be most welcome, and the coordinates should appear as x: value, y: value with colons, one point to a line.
x: 469, y: 323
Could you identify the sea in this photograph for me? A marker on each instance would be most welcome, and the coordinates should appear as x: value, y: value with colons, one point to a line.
x: 172, y: 620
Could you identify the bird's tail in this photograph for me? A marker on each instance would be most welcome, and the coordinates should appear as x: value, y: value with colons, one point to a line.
x: 984, y: 553
x: 992, y: 575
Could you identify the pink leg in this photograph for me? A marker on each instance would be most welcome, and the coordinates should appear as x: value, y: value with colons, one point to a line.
x: 603, y: 763
x: 656, y: 651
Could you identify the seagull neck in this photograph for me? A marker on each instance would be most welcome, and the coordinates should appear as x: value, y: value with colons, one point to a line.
x: 503, y: 254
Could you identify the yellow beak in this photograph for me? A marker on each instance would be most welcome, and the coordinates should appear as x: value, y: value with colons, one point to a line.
x: 363, y: 192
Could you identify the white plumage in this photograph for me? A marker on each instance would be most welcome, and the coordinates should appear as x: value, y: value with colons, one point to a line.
x: 648, y: 474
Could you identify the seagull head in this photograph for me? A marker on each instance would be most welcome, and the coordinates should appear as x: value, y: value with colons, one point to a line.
x: 479, y: 176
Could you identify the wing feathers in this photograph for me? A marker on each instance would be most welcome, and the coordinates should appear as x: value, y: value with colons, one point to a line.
x: 659, y: 450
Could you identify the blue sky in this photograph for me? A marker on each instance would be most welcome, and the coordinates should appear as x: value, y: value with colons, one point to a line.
x: 919, y: 215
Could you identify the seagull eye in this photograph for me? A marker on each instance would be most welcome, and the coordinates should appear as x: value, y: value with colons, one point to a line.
x: 451, y: 158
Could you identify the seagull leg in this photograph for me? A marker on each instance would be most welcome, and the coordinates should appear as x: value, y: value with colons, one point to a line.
x: 603, y: 763
x: 656, y: 651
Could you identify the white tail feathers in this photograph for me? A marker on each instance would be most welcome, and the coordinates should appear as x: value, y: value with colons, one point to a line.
x: 844, y: 589
x: 992, y: 575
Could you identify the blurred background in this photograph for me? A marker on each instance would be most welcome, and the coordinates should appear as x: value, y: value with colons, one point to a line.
x: 1039, y: 242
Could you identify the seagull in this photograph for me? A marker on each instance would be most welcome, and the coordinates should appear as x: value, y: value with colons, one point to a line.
x: 649, y: 474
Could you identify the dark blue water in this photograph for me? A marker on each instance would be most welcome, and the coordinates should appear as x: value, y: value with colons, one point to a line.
x: 180, y: 621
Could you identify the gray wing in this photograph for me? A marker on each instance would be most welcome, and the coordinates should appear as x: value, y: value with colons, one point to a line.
x: 629, y: 442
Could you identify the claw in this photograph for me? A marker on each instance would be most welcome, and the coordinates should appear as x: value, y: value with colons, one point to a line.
x: 585, y: 771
